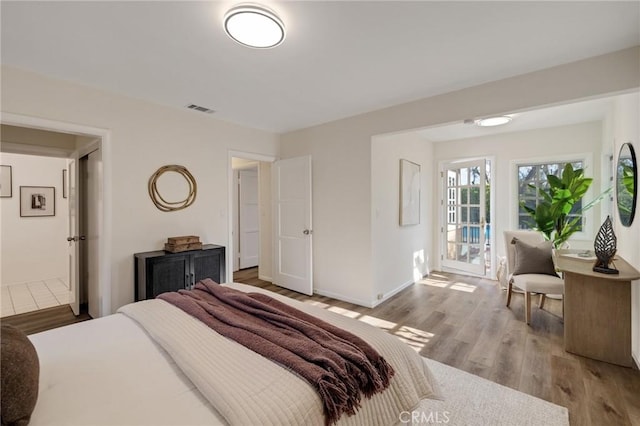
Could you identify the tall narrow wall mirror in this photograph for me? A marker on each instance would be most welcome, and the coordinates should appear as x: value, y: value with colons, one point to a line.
x: 627, y: 184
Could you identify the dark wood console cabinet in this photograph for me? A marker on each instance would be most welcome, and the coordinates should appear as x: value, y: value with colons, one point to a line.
x: 160, y: 271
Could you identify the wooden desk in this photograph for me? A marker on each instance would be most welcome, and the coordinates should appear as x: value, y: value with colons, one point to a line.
x: 597, y: 309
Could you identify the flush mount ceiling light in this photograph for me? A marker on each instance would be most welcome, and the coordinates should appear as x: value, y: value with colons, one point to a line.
x: 493, y: 121
x: 254, y: 26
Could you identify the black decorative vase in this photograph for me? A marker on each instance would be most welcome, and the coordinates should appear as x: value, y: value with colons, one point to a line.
x: 605, y: 247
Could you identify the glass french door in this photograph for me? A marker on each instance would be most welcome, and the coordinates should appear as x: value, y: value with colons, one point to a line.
x: 464, y: 216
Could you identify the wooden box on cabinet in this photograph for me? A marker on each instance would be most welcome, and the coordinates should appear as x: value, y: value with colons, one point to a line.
x: 158, y: 271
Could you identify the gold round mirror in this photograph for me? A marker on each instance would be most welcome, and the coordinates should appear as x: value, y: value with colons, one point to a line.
x: 161, y: 202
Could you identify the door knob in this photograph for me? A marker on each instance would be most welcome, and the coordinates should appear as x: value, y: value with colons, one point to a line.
x: 307, y: 232
x: 71, y: 239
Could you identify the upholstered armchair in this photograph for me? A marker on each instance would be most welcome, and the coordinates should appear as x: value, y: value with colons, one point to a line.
x: 530, y: 268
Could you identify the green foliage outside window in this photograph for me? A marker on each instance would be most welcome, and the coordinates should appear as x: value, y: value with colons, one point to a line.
x: 558, y: 213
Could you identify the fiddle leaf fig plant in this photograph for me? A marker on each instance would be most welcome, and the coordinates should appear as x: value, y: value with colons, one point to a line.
x: 551, y: 215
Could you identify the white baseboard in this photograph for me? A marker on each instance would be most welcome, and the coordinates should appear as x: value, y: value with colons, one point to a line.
x: 366, y: 304
x: 392, y: 293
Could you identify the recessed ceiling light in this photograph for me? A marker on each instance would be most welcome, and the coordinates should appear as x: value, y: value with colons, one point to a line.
x: 254, y: 26
x: 493, y: 121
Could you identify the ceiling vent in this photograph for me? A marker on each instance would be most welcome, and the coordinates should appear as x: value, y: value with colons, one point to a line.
x: 200, y: 108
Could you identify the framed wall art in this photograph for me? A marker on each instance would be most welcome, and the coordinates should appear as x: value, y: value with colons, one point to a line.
x: 6, y: 183
x: 37, y: 201
x: 409, y: 193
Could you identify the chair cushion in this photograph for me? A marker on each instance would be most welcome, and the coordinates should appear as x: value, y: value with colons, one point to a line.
x: 530, y: 237
x: 539, y: 283
x: 533, y: 259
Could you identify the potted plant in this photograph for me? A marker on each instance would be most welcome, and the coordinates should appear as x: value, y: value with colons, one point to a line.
x: 551, y: 215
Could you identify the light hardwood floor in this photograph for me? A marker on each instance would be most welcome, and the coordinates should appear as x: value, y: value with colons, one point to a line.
x: 463, y: 322
x: 45, y: 319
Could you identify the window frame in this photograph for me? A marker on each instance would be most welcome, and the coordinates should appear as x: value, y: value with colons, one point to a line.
x: 587, y: 164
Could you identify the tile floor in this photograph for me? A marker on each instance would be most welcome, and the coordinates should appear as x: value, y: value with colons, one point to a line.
x: 19, y: 298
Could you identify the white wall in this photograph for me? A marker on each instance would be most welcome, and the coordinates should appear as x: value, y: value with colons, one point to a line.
x: 34, y: 248
x: 341, y: 185
x: 509, y: 149
x: 626, y: 128
x: 401, y: 254
x: 143, y: 137
x: 341, y: 152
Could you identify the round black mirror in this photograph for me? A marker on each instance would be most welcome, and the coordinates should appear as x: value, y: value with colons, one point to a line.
x: 626, y: 184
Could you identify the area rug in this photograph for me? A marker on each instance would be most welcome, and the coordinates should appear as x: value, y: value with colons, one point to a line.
x: 472, y: 400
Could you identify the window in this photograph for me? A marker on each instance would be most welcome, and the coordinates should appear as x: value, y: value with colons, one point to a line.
x: 536, y: 175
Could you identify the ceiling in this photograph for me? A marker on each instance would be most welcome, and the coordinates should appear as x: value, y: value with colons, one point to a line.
x: 562, y: 115
x: 339, y: 58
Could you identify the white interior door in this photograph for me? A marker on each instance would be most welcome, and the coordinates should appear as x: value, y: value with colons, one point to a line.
x: 464, y: 216
x: 249, y: 219
x: 73, y: 239
x: 292, y: 266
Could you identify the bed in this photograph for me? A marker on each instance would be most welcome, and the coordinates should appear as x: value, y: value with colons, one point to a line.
x: 113, y: 371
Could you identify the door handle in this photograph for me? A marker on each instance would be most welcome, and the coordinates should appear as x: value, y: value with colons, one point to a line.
x: 307, y: 232
x: 76, y: 238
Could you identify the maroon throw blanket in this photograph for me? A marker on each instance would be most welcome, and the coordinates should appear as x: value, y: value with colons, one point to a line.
x: 339, y: 365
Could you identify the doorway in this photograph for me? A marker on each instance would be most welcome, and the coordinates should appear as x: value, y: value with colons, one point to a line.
x: 86, y: 140
x: 466, y: 217
x: 250, y: 215
x: 34, y: 270
x: 285, y: 231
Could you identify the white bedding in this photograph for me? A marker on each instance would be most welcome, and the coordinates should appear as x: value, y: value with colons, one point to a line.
x: 247, y: 388
x: 108, y: 371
